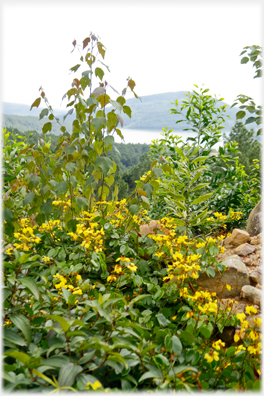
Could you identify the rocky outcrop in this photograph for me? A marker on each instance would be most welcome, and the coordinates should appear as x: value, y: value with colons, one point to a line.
x: 254, y: 223
x: 235, y: 275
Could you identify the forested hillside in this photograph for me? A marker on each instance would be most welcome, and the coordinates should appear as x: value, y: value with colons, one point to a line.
x: 152, y: 112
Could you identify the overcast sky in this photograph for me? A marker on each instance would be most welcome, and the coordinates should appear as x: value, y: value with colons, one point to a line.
x: 164, y: 46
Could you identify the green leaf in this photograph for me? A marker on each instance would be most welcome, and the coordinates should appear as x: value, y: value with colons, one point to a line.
x: 28, y: 198
x: 36, y: 103
x: 210, y: 271
x: 31, y: 285
x: 154, y: 373
x: 44, y: 113
x: 21, y: 356
x: 250, y: 120
x: 116, y: 104
x: 98, y: 123
x: 202, y: 198
x: 230, y: 352
x: 240, y: 114
x: 127, y: 110
x: 8, y: 215
x: 199, y: 186
x: 148, y: 188
x: 44, y: 377
x: 23, y: 324
x: 47, y: 127
x: 63, y: 322
x: 179, y: 152
x: 187, y: 336
x: 138, y: 298
x: 205, y: 332
x: 13, y: 337
x: 176, y: 345
x: 133, y: 209
x: 244, y: 60
x: 6, y: 293
x: 158, y: 172
x: 61, y: 188
x: 99, y: 73
x: 68, y: 373
x: 105, y: 163
x: 46, y: 208
x: 162, y: 320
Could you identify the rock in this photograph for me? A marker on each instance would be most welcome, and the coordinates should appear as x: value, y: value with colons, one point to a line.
x: 238, y: 237
x: 244, y: 249
x: 255, y: 277
x: 247, y: 261
x: 236, y: 275
x: 254, y: 223
x: 252, y: 294
x: 237, y: 307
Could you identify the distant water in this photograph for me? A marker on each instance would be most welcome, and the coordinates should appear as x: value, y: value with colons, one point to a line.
x: 146, y: 136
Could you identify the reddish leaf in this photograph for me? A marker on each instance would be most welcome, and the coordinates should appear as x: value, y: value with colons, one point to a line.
x: 199, y: 385
x: 42, y: 94
x: 36, y: 103
x: 76, y: 82
x: 85, y: 42
x: 131, y: 84
x: 74, y: 44
x: 256, y: 374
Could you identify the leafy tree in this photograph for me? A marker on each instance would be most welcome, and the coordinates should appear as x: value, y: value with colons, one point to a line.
x: 254, y: 54
x: 249, y: 147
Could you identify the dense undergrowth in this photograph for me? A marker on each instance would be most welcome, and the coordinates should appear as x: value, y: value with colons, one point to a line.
x: 91, y: 302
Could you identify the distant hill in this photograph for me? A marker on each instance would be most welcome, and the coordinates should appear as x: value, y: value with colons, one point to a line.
x: 152, y: 112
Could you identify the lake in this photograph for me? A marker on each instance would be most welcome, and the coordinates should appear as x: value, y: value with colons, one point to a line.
x: 146, y: 136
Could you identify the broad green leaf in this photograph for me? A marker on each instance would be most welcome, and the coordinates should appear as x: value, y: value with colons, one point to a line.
x: 133, y: 209
x: 179, y: 152
x: 127, y: 110
x: 199, y: 159
x: 205, y: 332
x: 99, y: 73
x: 105, y: 163
x: 116, y: 104
x: 21, y: 356
x: 176, y: 345
x: 8, y: 215
x: 36, y: 103
x: 210, y: 271
x: 46, y: 208
x: 158, y: 172
x: 154, y: 373
x: 43, y: 113
x: 31, y: 285
x: 240, y: 114
x: 13, y: 337
x: 182, y: 369
x: 98, y: 123
x: 187, y: 336
x: 23, y: 324
x: 61, y: 188
x: 6, y: 293
x: 202, y: 198
x: 63, y: 322
x: 28, y: 198
x: 138, y: 298
x: 162, y: 320
x: 47, y: 127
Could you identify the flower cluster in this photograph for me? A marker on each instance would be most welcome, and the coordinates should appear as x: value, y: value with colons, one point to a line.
x: 235, y: 215
x: 119, y: 269
x: 64, y: 283
x: 248, y: 332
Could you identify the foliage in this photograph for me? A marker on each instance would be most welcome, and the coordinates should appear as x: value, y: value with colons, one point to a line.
x: 249, y: 147
x: 254, y: 54
x: 90, y: 301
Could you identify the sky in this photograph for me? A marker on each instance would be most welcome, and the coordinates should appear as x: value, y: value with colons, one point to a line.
x: 165, y: 46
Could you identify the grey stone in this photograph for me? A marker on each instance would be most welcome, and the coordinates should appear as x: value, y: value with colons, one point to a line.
x: 245, y: 249
x: 235, y: 275
x: 254, y: 223
x: 256, y: 277
x: 238, y: 237
x: 252, y: 294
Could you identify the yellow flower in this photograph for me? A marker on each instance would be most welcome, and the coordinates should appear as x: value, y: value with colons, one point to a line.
x: 174, y: 317
x: 123, y: 259
x: 236, y: 337
x: 46, y: 259
x: 253, y: 335
x: 217, y: 344
x: 111, y: 278
x: 132, y: 267
x: 78, y: 291
x: 95, y: 385
x: 258, y: 322
x: 241, y: 316
x: 251, y: 310
x: 208, y: 357
x: 240, y: 348
x: 228, y: 287
x: 78, y: 277
x: 216, y: 356
x: 9, y: 251
x: 118, y: 269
